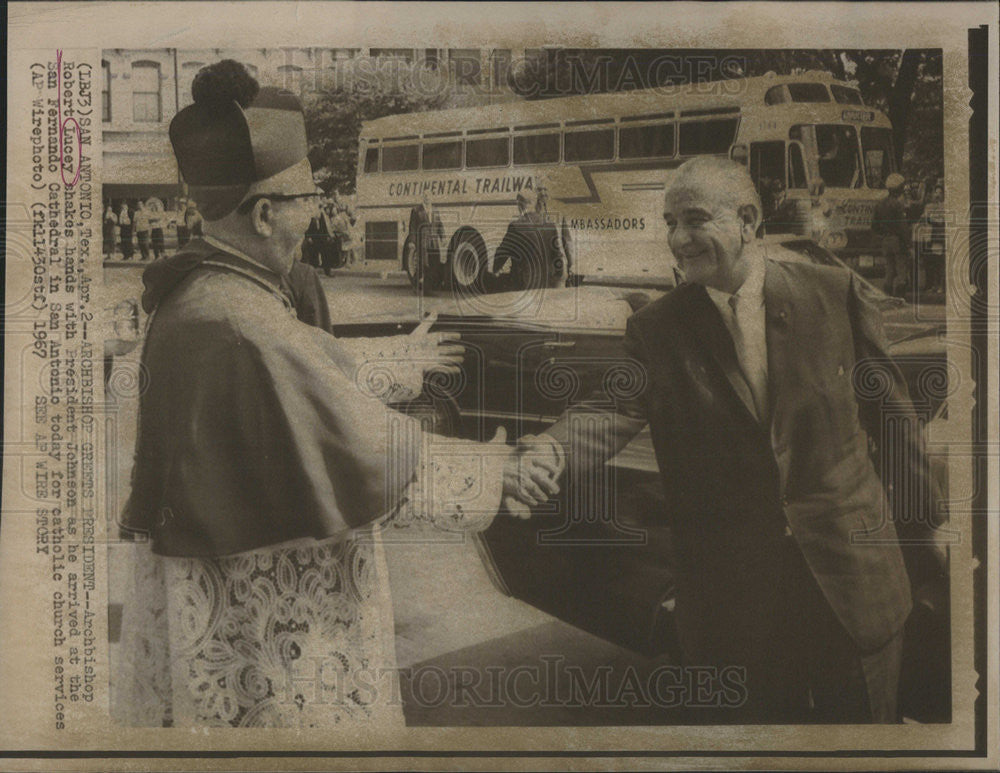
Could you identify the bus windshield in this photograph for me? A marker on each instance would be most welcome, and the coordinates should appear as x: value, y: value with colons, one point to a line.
x: 836, y: 153
x: 879, y: 160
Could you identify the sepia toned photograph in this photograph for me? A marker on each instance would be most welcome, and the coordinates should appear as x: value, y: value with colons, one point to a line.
x: 476, y: 397
x: 532, y: 237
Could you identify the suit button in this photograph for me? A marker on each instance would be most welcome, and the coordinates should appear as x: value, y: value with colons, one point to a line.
x: 788, y: 530
x: 784, y: 501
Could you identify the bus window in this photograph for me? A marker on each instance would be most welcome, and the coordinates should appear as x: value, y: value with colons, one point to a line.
x: 443, y: 155
x: 796, y: 166
x: 381, y: 238
x: 491, y: 152
x: 846, y: 95
x: 646, y: 141
x: 371, y: 160
x: 879, y: 161
x: 837, y: 154
x: 536, y: 149
x: 400, y: 158
x: 808, y: 92
x: 592, y: 145
x: 697, y: 137
x: 775, y: 96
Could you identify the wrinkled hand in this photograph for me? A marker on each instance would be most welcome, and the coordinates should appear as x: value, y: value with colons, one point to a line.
x: 530, y: 473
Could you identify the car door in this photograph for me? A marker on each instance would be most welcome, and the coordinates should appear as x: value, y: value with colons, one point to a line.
x: 598, y: 555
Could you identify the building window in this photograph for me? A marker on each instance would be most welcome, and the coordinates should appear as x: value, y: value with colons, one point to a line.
x: 146, y: 101
x: 466, y: 67
x: 106, y: 92
x: 500, y: 66
x: 188, y: 71
x: 338, y: 54
x: 432, y: 58
x: 291, y: 77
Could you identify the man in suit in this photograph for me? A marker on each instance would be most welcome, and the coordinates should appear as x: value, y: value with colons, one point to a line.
x: 555, y: 259
x: 424, y: 246
x: 523, y: 246
x: 761, y: 412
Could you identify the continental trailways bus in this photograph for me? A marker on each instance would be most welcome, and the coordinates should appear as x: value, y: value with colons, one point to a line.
x: 818, y: 154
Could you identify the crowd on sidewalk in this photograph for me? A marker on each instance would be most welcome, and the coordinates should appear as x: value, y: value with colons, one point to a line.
x: 908, y: 226
x: 144, y: 227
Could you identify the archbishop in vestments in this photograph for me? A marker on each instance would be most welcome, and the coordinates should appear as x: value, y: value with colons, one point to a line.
x: 265, y: 459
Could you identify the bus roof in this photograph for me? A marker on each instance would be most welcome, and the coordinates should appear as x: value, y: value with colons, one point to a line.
x: 724, y: 95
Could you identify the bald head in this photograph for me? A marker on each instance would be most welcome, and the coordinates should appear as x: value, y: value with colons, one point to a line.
x: 725, y: 182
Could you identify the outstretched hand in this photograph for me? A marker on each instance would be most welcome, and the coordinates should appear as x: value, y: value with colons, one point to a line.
x: 438, y: 351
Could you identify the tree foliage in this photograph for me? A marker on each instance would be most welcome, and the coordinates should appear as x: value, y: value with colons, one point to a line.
x: 334, y: 117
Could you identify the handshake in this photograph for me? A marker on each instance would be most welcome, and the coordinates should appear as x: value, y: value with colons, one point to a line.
x: 530, y: 473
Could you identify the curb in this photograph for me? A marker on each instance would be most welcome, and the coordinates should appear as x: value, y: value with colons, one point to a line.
x: 368, y: 273
x: 363, y: 273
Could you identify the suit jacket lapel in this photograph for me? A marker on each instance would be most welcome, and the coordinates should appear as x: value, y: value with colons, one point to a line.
x: 707, y: 325
x: 778, y: 315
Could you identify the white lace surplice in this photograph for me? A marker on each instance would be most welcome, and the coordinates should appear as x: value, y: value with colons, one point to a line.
x: 298, y: 635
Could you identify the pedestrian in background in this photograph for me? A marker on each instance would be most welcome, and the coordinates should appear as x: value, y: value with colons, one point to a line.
x: 192, y: 219
x: 933, y: 247
x: 109, y: 224
x: 141, y: 224
x: 423, y: 246
x: 892, y: 233
x: 555, y: 262
x: 125, y: 231
x: 183, y: 232
x: 522, y: 247
x: 913, y: 202
x: 156, y: 217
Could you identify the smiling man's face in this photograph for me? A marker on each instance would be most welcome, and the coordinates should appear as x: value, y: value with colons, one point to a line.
x: 706, y: 234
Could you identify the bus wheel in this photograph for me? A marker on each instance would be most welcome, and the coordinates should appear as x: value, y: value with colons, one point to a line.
x: 468, y: 262
x: 411, y: 263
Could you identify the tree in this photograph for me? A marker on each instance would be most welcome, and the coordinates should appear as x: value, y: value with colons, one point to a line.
x: 371, y: 90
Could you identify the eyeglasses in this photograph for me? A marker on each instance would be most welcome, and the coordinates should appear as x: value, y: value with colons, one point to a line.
x: 247, y: 205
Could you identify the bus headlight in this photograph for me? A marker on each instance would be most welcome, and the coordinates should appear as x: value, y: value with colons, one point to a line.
x: 834, y: 240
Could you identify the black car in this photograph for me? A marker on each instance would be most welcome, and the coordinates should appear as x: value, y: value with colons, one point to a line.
x: 599, y: 556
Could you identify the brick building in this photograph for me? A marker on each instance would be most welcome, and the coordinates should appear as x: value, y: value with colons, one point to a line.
x: 142, y: 89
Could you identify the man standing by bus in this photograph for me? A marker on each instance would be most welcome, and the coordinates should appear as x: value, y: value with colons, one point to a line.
x: 524, y: 248
x: 891, y: 230
x: 555, y: 242
x: 424, y: 245
x: 785, y: 561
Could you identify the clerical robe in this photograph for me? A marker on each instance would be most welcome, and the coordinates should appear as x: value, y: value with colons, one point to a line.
x: 264, y: 461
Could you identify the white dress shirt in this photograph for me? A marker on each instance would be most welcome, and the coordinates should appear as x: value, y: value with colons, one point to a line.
x: 743, y: 313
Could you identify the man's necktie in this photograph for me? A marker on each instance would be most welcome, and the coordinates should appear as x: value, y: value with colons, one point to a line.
x: 753, y: 361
